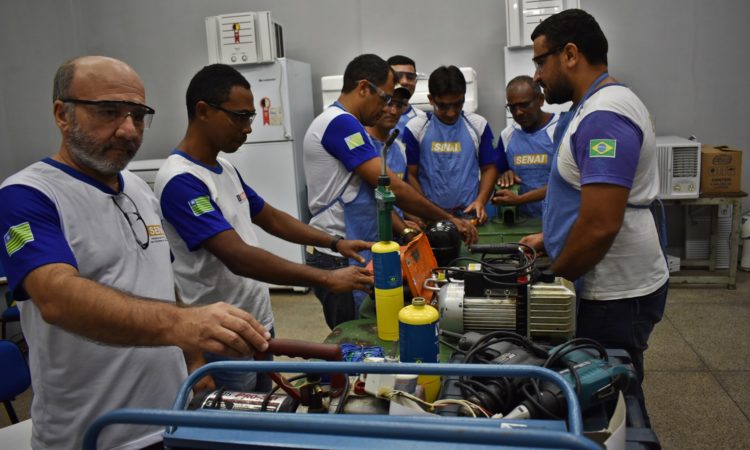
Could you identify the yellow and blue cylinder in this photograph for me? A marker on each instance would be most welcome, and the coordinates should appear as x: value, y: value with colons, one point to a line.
x: 389, y: 289
x: 419, y: 343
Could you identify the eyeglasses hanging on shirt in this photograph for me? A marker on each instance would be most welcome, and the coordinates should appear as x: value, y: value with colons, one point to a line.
x: 132, y: 216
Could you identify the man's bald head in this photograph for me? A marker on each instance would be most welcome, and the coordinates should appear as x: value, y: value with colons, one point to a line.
x: 91, y: 69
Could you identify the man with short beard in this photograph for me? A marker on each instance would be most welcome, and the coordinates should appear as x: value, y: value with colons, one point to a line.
x: 89, y: 263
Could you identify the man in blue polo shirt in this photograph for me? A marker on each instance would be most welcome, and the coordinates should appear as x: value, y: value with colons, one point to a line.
x: 450, y: 154
x: 342, y: 168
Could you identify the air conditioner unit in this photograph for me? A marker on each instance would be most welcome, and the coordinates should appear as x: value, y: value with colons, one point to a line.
x: 244, y: 38
x: 679, y: 161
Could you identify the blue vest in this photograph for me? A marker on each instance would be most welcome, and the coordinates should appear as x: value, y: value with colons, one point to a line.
x: 449, y: 163
x: 530, y: 157
x: 557, y: 221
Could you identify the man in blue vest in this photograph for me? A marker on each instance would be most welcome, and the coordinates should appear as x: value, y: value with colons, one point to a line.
x: 597, y: 227
x: 450, y: 154
x: 525, y: 148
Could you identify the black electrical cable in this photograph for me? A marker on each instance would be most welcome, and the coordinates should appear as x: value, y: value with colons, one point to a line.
x: 451, y: 346
x: 344, y: 396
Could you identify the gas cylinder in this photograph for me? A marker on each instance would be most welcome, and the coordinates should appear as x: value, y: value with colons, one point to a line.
x: 419, y: 343
x: 389, y: 288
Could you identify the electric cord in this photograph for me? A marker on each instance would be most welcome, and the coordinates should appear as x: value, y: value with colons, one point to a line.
x: 267, y: 397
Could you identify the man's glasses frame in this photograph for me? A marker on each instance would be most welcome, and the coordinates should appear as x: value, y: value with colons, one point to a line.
x: 541, y: 59
x: 138, y: 218
x: 411, y: 76
x: 141, y: 114
x: 520, y: 105
x: 239, y: 118
x: 447, y: 106
x: 380, y: 93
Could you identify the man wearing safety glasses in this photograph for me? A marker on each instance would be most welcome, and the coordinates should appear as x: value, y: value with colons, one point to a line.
x: 84, y: 248
x: 525, y: 148
x: 342, y: 168
x: 406, y: 75
x: 450, y: 154
x: 211, y: 213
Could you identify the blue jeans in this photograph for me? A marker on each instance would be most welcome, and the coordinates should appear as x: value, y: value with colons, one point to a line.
x: 240, y: 380
x: 624, y: 324
x: 337, y: 308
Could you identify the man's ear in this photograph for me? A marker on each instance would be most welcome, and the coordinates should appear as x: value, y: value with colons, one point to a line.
x: 429, y: 98
x: 570, y: 55
x: 60, y: 113
x: 363, y: 87
x: 201, y: 110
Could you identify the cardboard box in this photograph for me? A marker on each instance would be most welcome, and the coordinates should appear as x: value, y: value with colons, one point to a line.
x: 721, y: 170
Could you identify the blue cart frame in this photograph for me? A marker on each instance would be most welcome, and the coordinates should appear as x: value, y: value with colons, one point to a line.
x: 450, y: 432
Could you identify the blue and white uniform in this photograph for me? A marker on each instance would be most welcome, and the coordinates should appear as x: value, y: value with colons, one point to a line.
x: 406, y: 116
x: 449, y: 157
x: 340, y: 201
x: 529, y: 155
x: 610, y: 140
x: 51, y: 213
x: 199, y: 202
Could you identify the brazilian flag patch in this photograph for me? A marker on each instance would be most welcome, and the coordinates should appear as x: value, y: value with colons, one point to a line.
x: 602, y: 148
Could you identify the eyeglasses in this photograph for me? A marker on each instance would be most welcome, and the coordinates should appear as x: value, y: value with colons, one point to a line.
x: 411, y: 76
x: 381, y: 93
x: 240, y: 119
x: 520, y: 105
x: 142, y: 238
x: 446, y: 106
x: 541, y: 59
x: 113, y: 112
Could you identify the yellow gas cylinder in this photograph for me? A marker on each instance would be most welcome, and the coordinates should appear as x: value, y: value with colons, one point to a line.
x: 389, y: 289
x: 419, y: 342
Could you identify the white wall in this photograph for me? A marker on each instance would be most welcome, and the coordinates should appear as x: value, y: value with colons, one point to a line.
x: 685, y: 58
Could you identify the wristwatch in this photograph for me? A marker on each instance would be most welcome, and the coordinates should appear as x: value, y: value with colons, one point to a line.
x: 335, y: 243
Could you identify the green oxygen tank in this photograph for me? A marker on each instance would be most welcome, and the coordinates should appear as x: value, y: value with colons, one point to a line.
x: 386, y: 259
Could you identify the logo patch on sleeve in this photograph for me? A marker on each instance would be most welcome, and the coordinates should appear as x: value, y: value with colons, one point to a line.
x: 201, y: 205
x: 602, y: 148
x: 354, y: 140
x: 17, y: 236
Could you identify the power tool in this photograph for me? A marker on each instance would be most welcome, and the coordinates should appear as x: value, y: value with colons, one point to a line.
x: 594, y: 377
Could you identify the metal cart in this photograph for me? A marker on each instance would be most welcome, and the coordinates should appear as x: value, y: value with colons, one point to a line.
x: 210, y: 429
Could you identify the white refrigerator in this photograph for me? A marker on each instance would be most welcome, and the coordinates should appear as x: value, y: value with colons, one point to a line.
x: 270, y: 161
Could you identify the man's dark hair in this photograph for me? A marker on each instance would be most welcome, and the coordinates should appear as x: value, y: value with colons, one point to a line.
x: 446, y: 81
x: 63, y: 79
x: 401, y: 60
x: 368, y: 67
x: 212, y: 84
x: 578, y: 27
x: 521, y: 79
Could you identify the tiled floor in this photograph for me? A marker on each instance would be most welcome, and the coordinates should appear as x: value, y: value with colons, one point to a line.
x: 697, y: 369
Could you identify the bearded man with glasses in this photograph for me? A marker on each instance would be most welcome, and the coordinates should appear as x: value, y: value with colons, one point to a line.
x: 88, y: 261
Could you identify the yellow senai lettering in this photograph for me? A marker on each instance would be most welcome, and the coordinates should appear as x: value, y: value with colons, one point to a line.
x: 446, y: 147
x: 527, y: 160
